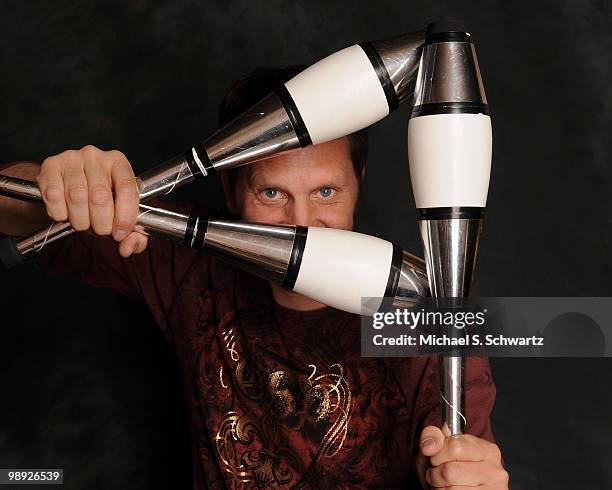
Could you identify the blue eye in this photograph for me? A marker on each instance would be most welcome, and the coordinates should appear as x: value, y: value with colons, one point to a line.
x: 271, y: 193
x: 326, y: 191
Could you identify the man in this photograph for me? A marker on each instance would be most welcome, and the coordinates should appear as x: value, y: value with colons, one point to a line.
x: 279, y: 394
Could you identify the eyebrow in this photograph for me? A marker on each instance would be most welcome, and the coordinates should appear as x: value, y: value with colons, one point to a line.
x: 335, y: 181
x: 268, y: 182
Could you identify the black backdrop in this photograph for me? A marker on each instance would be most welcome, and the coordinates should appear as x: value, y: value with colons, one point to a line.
x: 87, y: 382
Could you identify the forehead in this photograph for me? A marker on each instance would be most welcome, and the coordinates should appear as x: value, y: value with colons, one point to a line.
x: 328, y: 161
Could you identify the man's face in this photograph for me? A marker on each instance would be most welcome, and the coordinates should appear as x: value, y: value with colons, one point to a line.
x: 315, y: 186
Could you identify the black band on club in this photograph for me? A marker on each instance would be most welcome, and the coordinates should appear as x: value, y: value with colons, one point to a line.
x: 293, y: 269
x: 294, y: 116
x: 382, y: 74
x: 462, y: 212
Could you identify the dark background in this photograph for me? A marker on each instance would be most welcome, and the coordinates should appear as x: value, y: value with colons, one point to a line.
x: 79, y: 392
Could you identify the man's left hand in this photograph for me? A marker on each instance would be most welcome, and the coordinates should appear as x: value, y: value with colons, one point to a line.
x: 459, y: 462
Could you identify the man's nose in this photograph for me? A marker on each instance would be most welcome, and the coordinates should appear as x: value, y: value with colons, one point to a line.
x: 302, y: 214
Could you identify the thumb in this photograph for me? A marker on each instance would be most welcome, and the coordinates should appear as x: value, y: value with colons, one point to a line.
x: 134, y: 243
x: 431, y: 441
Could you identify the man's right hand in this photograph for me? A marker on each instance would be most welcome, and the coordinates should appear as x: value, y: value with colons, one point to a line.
x: 94, y: 189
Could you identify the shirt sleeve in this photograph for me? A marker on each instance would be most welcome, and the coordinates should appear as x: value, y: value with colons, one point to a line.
x: 153, y: 276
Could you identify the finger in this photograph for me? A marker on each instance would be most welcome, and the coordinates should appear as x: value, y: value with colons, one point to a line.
x: 134, y: 243
x: 466, y: 473
x: 126, y: 196
x: 51, y: 185
x: 446, y: 430
x: 75, y: 190
x: 466, y: 447
x: 97, y: 172
x: 431, y: 441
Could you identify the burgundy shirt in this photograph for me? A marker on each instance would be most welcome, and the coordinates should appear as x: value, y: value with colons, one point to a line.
x: 278, y: 398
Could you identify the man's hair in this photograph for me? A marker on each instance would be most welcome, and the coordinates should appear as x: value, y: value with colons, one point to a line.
x: 262, y: 81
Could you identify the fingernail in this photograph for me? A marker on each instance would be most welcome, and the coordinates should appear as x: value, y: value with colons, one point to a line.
x: 429, y: 442
x: 120, y: 234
